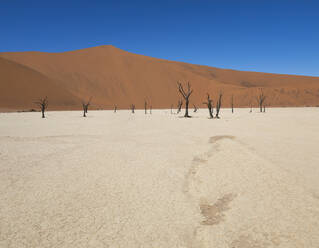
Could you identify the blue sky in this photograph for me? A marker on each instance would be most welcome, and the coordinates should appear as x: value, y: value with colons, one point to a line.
x: 270, y: 36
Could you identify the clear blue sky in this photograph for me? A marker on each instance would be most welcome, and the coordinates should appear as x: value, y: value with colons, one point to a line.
x: 262, y: 35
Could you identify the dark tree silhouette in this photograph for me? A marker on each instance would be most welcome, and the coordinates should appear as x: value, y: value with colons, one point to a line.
x: 195, y: 108
x: 251, y: 107
x: 151, y: 109
x: 209, y: 104
x: 261, y: 99
x: 232, y: 104
x: 218, y: 105
x: 115, y: 108
x: 186, y: 95
x: 85, y: 106
x: 43, y: 104
x: 133, y: 108
x: 179, y: 106
x: 171, y: 109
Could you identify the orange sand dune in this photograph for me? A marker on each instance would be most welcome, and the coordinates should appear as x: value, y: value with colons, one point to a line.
x: 113, y: 76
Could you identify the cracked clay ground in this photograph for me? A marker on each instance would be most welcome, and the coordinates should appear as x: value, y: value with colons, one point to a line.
x: 248, y: 180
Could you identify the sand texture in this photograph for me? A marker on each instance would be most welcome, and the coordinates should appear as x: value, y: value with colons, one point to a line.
x: 113, y: 76
x: 248, y: 180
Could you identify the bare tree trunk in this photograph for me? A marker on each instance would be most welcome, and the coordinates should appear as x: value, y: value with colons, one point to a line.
x: 171, y: 109
x: 43, y: 104
x: 115, y: 108
x: 186, y: 108
x: 179, y: 106
x: 185, y: 95
x: 232, y: 104
x: 133, y: 108
x: 145, y: 106
x: 195, y: 108
x: 218, y: 105
x: 209, y: 106
x: 261, y: 99
x: 151, y: 109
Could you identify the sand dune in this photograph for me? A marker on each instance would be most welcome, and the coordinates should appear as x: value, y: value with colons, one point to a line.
x: 113, y: 76
x: 248, y: 180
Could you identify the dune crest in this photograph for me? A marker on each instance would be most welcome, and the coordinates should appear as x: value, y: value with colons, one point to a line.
x: 113, y: 76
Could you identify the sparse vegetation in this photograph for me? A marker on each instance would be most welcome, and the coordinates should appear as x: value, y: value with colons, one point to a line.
x: 43, y: 104
x: 209, y: 106
x: 219, y: 105
x: 186, y: 94
x: 261, y: 99
x: 85, y: 106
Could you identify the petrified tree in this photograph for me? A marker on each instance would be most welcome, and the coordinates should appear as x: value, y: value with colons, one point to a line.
x: 186, y: 94
x: 179, y: 106
x: 232, y: 104
x: 209, y: 106
x: 261, y: 99
x: 85, y: 106
x: 195, y: 108
x: 43, y: 104
x: 218, y: 105
x: 133, y: 108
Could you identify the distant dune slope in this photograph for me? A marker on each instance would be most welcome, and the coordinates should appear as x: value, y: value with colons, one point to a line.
x: 113, y: 76
x: 20, y: 86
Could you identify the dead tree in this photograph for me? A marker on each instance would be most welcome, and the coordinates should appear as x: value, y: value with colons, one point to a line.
x: 186, y: 95
x: 115, y: 108
x: 232, y: 104
x: 209, y: 104
x: 251, y: 107
x: 218, y: 105
x: 43, y: 104
x: 171, y: 109
x: 261, y: 100
x: 85, y: 106
x: 195, y: 108
x: 264, y: 108
x: 133, y: 108
x: 179, y: 106
x: 151, y: 109
x: 145, y: 106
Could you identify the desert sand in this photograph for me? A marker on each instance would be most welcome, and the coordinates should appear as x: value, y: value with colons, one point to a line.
x: 248, y: 180
x: 114, y: 76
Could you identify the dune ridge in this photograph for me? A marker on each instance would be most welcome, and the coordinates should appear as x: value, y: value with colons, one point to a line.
x: 114, y: 76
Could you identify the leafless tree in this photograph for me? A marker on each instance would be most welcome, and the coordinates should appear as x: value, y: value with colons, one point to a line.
x: 232, y: 104
x: 151, y: 109
x: 133, y: 108
x: 179, y: 106
x: 85, y: 106
x: 186, y: 95
x: 171, y: 109
x: 261, y: 99
x: 209, y: 104
x: 218, y: 105
x: 43, y: 104
x: 145, y: 106
x: 195, y: 108
x: 251, y: 107
x: 115, y: 108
